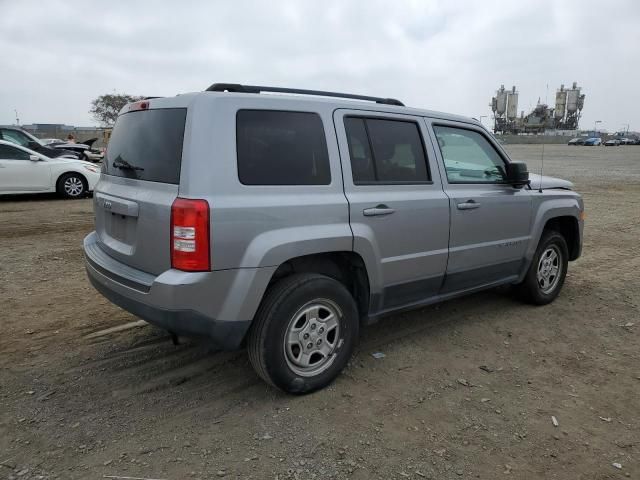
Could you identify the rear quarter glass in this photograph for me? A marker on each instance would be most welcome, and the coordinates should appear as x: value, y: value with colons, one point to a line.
x: 281, y: 148
x: 150, y: 142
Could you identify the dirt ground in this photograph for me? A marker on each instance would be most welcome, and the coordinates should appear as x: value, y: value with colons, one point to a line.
x: 467, y: 389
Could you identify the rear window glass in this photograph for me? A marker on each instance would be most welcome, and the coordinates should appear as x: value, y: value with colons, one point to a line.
x: 281, y: 148
x: 147, y: 145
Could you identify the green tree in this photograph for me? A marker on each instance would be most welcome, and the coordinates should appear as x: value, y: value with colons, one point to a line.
x: 105, y: 108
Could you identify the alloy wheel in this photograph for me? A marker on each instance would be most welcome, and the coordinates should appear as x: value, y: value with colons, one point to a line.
x: 312, y: 337
x: 73, y: 186
x: 549, y: 269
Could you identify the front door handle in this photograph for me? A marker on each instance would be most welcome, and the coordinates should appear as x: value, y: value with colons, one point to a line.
x: 377, y: 211
x: 468, y: 205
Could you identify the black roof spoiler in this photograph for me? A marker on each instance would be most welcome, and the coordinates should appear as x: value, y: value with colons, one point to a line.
x: 236, y: 87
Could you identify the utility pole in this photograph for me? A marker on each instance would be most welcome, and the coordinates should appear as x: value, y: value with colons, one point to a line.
x: 17, y: 119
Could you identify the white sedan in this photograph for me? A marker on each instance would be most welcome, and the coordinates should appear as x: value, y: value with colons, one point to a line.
x: 24, y: 171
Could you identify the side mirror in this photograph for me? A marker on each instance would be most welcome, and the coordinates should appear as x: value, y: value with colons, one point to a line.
x: 517, y: 174
x: 34, y: 158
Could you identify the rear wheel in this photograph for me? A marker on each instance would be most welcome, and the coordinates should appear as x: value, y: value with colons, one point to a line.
x: 304, y: 333
x: 72, y: 185
x: 548, y: 270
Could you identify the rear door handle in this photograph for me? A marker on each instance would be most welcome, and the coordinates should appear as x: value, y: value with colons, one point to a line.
x: 378, y: 210
x: 468, y: 205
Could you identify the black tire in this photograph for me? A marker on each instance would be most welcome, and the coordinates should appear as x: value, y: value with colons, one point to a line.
x: 282, y: 304
x: 65, y: 183
x: 531, y: 290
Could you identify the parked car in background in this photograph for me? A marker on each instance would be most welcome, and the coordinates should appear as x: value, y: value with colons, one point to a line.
x: 314, y: 217
x: 94, y: 154
x: 577, y: 141
x: 613, y: 142
x: 84, y: 150
x: 591, y: 142
x: 25, y: 139
x: 23, y: 170
x: 627, y: 141
x: 49, y: 141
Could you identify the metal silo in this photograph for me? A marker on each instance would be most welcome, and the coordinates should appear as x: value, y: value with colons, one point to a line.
x: 561, y: 103
x: 501, y: 101
x: 505, y: 110
x: 512, y: 104
x: 573, y: 97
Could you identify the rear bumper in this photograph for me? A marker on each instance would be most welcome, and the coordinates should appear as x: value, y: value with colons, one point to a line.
x: 226, y: 335
x: 218, y: 305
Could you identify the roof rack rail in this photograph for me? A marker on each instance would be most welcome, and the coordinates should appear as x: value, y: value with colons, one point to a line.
x: 236, y: 87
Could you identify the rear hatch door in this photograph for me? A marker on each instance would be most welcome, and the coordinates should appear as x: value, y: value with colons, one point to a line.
x: 140, y: 180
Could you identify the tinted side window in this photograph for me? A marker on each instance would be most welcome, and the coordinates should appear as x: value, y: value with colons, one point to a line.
x: 468, y: 156
x: 386, y: 151
x: 362, y: 167
x: 281, y: 148
x: 10, y: 153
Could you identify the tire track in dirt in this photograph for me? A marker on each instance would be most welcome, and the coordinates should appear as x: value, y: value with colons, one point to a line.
x: 49, y: 228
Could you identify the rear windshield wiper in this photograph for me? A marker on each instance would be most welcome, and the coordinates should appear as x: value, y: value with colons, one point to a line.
x: 124, y: 165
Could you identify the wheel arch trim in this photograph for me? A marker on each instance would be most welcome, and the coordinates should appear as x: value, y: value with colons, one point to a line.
x: 547, y: 212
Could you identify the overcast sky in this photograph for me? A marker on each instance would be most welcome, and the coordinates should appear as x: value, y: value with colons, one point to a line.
x: 56, y: 56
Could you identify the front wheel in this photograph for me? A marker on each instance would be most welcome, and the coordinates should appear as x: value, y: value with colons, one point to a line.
x: 72, y: 185
x: 547, y: 272
x: 304, y: 333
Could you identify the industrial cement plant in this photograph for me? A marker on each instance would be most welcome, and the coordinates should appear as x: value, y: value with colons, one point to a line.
x: 564, y: 117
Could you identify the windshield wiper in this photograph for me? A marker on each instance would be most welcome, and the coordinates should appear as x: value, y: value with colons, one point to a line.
x: 124, y: 165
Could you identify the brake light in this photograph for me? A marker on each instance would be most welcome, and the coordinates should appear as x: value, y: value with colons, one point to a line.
x: 143, y: 105
x: 190, y: 235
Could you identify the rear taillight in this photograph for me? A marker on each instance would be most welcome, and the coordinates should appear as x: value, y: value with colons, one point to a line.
x: 190, y: 235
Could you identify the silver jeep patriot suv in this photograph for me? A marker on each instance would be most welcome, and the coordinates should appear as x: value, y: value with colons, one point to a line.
x: 285, y: 219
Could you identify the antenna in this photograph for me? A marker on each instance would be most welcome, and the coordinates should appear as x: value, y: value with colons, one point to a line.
x: 546, y: 101
x: 541, y: 168
x: 546, y: 96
